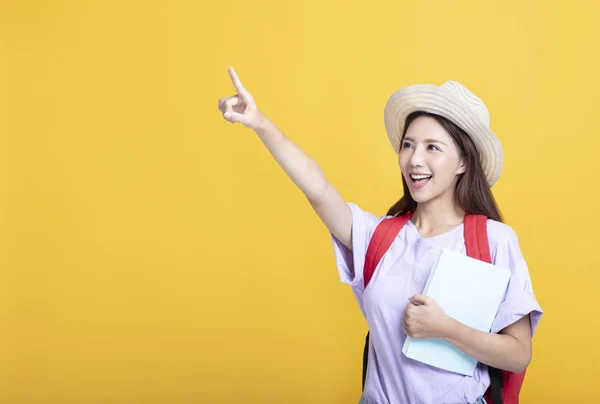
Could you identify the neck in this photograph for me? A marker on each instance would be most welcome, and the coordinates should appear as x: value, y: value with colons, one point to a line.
x: 437, y: 216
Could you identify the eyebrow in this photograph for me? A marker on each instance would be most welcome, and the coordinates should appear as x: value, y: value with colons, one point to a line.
x: 410, y: 139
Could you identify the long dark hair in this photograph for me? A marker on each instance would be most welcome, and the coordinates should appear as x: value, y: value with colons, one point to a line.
x: 472, y: 193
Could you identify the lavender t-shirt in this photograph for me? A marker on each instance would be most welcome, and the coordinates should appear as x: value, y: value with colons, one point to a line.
x: 403, y: 271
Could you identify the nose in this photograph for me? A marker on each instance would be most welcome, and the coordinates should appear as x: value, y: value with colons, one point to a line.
x: 417, y: 158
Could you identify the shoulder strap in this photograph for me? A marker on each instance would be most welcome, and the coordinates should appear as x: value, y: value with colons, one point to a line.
x: 385, y: 233
x: 476, y: 238
x: 477, y: 243
x: 383, y: 237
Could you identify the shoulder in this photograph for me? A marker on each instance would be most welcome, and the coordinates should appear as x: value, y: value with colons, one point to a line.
x: 357, y: 211
x: 504, y: 243
x: 364, y: 221
x: 500, y: 232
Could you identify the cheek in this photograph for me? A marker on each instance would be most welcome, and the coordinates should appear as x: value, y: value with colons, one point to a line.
x: 403, y: 159
x: 445, y: 169
x: 441, y: 163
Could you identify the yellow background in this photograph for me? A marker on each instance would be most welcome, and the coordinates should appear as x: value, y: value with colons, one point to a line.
x: 151, y: 252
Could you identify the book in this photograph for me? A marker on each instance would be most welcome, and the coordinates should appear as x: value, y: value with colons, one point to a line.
x: 468, y: 290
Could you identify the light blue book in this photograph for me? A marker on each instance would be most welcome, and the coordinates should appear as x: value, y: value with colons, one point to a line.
x: 470, y: 291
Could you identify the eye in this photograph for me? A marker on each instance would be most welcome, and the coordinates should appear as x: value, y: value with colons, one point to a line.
x: 433, y: 147
x: 406, y: 145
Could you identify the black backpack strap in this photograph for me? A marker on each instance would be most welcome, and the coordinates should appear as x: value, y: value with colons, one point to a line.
x: 495, y: 385
x: 365, y: 361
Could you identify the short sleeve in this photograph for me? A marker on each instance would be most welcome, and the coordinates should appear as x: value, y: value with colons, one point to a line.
x: 519, y: 300
x: 350, y: 264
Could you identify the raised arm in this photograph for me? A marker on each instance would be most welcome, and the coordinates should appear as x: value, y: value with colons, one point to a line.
x: 302, y: 169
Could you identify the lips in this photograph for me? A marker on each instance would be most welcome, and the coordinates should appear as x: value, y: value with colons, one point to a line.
x: 419, y: 180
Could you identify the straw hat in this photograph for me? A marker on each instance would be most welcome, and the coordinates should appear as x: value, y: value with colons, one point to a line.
x: 456, y: 103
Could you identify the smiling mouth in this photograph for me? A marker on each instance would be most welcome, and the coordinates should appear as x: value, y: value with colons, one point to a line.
x: 418, y: 180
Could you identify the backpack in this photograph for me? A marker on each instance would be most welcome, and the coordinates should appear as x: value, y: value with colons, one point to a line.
x: 504, y: 386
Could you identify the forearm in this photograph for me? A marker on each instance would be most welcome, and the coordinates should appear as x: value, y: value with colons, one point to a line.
x: 302, y: 169
x: 498, y: 350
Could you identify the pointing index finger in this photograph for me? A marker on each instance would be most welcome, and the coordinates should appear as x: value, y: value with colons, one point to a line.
x: 236, y: 82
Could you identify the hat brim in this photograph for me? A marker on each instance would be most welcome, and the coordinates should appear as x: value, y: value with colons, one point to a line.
x: 437, y: 100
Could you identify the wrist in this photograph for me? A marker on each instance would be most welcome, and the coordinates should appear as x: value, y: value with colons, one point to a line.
x: 448, y: 328
x: 262, y: 123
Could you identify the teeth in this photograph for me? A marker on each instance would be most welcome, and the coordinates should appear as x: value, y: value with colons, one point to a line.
x: 420, y: 177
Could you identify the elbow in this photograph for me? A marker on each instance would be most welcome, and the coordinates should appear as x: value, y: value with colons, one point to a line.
x: 518, y: 346
x: 521, y: 362
x: 317, y: 193
x: 518, y: 368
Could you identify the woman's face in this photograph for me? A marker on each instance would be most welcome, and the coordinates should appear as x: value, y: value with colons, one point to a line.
x: 429, y: 160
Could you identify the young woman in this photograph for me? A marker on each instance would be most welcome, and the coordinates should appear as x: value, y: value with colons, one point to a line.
x: 449, y: 159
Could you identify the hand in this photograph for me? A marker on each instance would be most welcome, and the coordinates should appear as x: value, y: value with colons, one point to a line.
x: 240, y: 107
x: 424, y: 318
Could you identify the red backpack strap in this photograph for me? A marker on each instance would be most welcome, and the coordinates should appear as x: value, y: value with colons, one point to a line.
x: 385, y: 233
x: 382, y: 239
x: 504, y: 386
x: 476, y: 238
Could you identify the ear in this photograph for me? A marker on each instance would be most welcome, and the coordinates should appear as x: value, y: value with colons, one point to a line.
x: 462, y: 168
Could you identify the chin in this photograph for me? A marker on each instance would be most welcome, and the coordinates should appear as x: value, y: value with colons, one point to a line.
x: 421, y: 197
